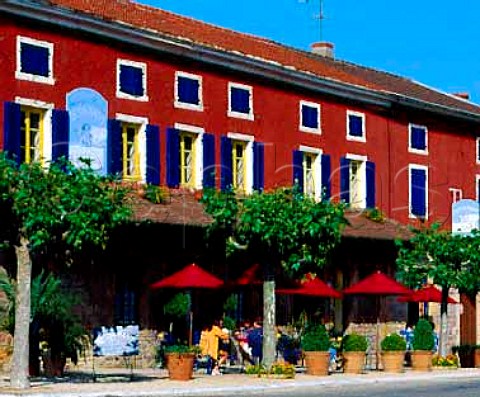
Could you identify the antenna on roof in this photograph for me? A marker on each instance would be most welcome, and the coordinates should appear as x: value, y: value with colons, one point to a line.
x: 320, y: 16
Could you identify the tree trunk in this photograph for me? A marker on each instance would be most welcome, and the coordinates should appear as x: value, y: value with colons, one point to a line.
x: 443, y: 332
x: 19, y: 372
x: 269, y: 339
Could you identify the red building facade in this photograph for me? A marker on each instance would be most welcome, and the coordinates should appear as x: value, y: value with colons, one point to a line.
x: 177, y: 99
x: 288, y: 110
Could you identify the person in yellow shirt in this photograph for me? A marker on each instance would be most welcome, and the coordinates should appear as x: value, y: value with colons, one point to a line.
x: 209, y: 342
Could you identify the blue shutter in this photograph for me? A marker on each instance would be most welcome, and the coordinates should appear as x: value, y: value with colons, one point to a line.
x: 240, y: 100
x: 114, y: 151
x: 12, y: 120
x: 208, y: 161
x: 309, y: 116
x: 188, y: 90
x: 258, y: 166
x: 226, y: 174
x: 34, y: 59
x: 298, y: 169
x: 355, y: 124
x: 153, y: 154
x: 326, y: 172
x: 418, y: 137
x: 345, y: 180
x: 173, y: 158
x: 418, y: 188
x: 60, y: 134
x: 131, y: 80
x: 370, y: 177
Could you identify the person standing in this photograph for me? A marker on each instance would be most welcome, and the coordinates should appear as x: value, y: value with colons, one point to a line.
x: 255, y: 341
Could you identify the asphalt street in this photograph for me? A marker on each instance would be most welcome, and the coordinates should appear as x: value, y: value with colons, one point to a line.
x: 442, y: 388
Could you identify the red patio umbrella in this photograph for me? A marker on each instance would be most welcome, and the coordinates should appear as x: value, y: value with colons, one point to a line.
x: 312, y: 286
x: 428, y: 293
x: 190, y: 277
x: 251, y: 276
x: 377, y: 284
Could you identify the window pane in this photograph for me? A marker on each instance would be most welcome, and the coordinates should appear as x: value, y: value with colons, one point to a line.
x: 309, y: 116
x: 240, y: 100
x: 131, y: 80
x: 188, y: 90
x: 418, y: 138
x: 355, y: 125
x: 34, y: 59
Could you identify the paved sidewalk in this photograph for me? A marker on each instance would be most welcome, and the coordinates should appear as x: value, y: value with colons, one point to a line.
x: 152, y: 383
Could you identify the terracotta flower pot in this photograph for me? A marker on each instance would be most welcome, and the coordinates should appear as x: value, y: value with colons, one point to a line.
x: 422, y: 360
x: 317, y: 363
x: 180, y: 365
x: 393, y: 361
x: 477, y: 358
x: 353, y: 362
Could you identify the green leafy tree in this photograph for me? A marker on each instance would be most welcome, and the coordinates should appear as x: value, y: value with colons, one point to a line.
x: 281, y: 228
x: 63, y: 205
x: 450, y: 261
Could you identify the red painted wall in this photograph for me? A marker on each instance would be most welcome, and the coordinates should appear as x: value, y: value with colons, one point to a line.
x: 86, y: 62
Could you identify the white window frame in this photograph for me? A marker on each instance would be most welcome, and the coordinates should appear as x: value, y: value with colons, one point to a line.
x: 140, y: 65
x: 410, y: 148
x: 417, y: 167
x: 477, y: 186
x: 19, y: 75
x: 189, y: 106
x: 317, y: 168
x: 230, y: 112
x: 362, y: 138
x: 457, y: 194
x: 199, y: 131
x: 142, y: 122
x: 477, y: 150
x: 249, y: 139
x: 47, y: 124
x: 303, y: 128
x: 363, y: 183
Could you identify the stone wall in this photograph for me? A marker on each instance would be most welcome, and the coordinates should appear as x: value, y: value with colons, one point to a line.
x: 146, y: 359
x: 374, y: 333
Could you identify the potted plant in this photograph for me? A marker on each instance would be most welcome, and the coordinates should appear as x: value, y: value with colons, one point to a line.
x: 423, y: 342
x: 315, y: 345
x: 354, y: 348
x: 393, y: 353
x: 179, y: 360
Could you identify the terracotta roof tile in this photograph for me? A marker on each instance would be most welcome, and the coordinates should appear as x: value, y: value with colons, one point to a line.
x: 167, y: 23
x: 182, y: 208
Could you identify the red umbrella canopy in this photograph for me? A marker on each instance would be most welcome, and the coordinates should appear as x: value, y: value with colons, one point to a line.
x: 428, y: 293
x: 250, y: 276
x: 377, y: 283
x: 312, y: 287
x: 191, y: 276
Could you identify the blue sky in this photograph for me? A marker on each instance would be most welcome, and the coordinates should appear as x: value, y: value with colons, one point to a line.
x: 434, y: 42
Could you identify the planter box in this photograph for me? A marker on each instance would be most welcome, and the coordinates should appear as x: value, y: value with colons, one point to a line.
x: 393, y: 361
x: 180, y: 365
x: 353, y: 362
x: 317, y: 363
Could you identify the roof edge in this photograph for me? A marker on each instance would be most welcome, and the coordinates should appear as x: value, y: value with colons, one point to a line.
x: 242, y: 63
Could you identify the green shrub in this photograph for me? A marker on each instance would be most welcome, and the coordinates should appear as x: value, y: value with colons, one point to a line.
x: 156, y: 194
x: 355, y: 343
x: 178, y: 306
x: 423, y: 336
x: 315, y: 338
x: 179, y: 349
x: 393, y: 342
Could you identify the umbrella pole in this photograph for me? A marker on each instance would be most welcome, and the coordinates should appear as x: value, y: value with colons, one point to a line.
x: 190, y: 328
x: 377, y: 349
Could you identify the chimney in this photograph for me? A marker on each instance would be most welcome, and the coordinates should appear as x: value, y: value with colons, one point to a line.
x: 323, y: 48
x: 463, y: 95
